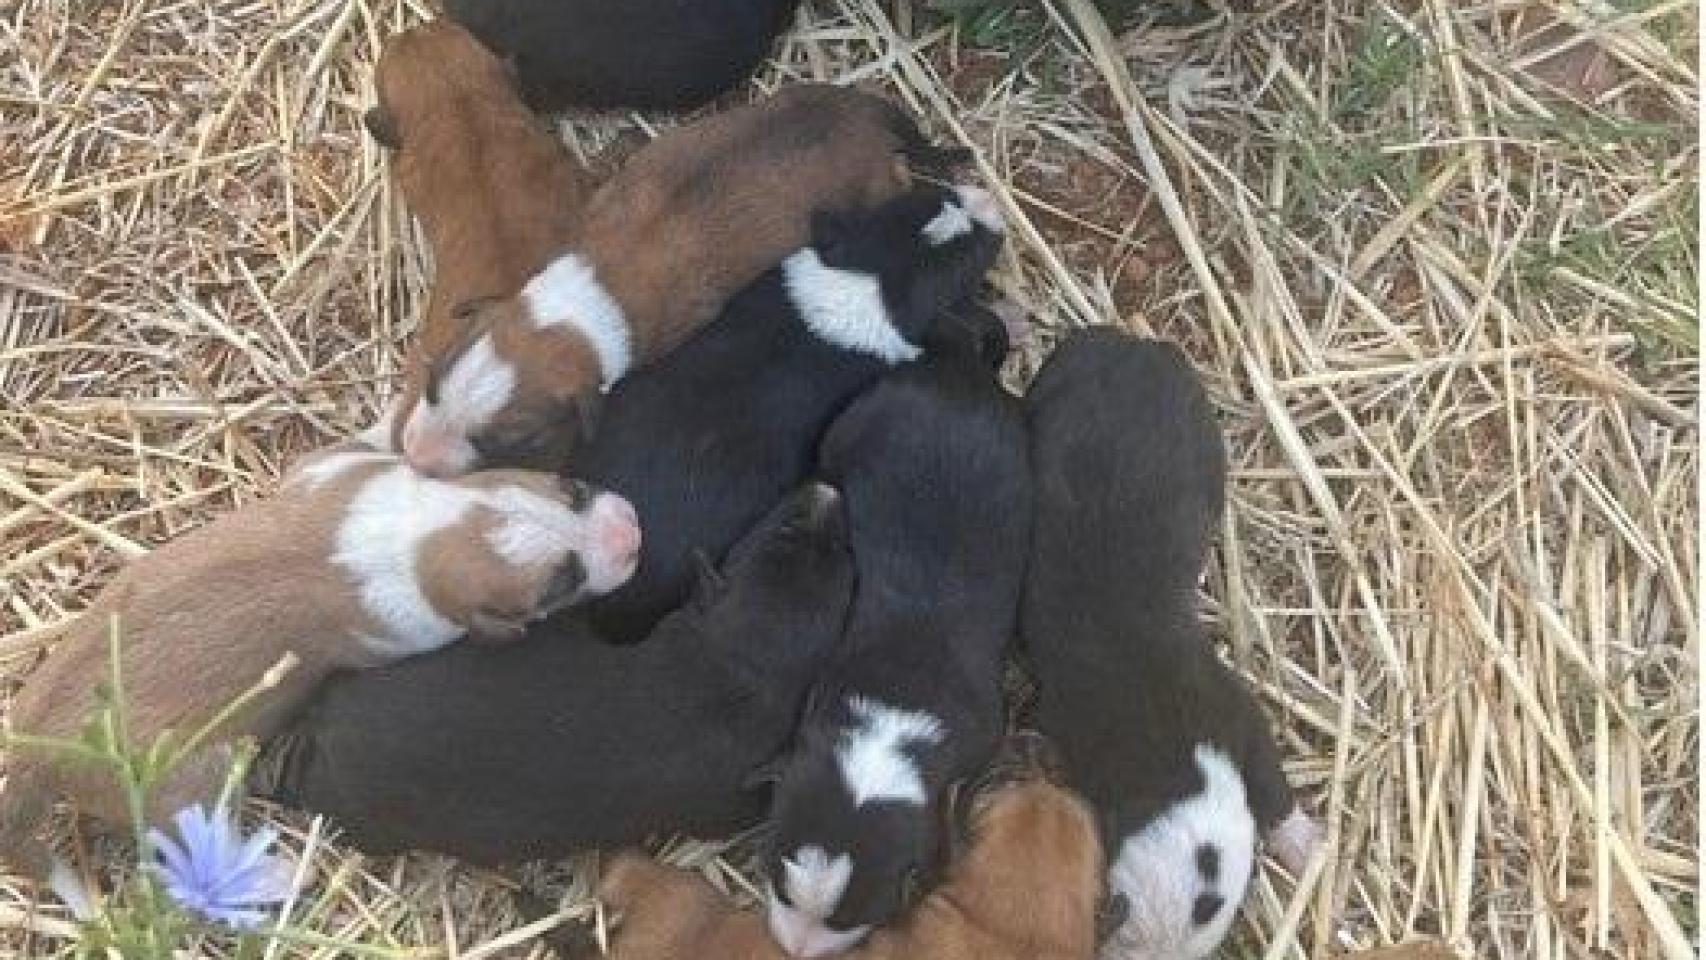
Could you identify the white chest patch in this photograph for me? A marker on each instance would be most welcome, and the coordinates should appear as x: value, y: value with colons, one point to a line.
x: 872, y: 758
x: 1184, y: 874
x: 567, y: 293
x: 844, y: 308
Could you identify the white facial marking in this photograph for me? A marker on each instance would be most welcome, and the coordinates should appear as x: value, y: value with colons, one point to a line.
x: 982, y: 206
x: 844, y: 308
x: 814, y: 882
x: 872, y: 758
x: 535, y: 529
x: 383, y: 528
x: 1158, y: 872
x: 478, y: 385
x: 952, y: 222
x: 568, y: 294
x: 393, y: 513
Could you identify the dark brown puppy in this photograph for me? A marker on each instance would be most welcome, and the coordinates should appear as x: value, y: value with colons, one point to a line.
x: 694, y: 217
x: 1027, y: 889
x: 494, y: 191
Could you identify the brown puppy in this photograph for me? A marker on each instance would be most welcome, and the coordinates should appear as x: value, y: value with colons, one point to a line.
x: 494, y: 191
x: 1027, y: 889
x: 693, y: 217
x: 357, y: 561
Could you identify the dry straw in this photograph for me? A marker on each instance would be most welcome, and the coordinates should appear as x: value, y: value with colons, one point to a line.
x: 1435, y: 259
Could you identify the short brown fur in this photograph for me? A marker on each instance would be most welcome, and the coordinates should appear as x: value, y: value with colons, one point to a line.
x: 700, y: 213
x: 1026, y: 890
x: 495, y: 192
x: 203, y: 618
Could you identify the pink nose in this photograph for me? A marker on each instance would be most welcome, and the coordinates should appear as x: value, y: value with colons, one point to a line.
x: 619, y: 535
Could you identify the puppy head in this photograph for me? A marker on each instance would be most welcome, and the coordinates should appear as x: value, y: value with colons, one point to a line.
x: 504, y: 392
x: 855, y: 828
x: 533, y: 544
x: 421, y: 69
x: 1182, y: 872
x: 874, y: 280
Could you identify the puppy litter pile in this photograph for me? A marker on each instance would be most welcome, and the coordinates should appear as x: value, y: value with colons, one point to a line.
x: 1435, y: 259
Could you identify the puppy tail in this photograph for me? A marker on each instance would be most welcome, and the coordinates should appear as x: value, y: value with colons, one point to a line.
x: 920, y: 151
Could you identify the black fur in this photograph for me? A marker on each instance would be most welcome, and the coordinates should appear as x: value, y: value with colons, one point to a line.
x: 704, y: 440
x: 635, y: 54
x: 1131, y: 476
x: 560, y: 743
x: 933, y: 465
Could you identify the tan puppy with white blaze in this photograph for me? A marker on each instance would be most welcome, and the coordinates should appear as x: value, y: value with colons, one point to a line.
x: 659, y: 250
x: 357, y: 561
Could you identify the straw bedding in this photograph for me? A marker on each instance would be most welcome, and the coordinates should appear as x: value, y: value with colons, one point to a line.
x: 1435, y: 259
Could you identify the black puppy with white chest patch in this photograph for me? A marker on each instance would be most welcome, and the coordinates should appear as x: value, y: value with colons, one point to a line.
x: 709, y: 437
x: 562, y: 743
x: 932, y: 462
x: 1165, y: 742
x: 633, y: 54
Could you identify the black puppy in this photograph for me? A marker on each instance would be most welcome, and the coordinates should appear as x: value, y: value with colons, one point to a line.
x: 706, y: 439
x: 560, y: 743
x: 637, y: 54
x: 933, y: 465
x: 1164, y: 740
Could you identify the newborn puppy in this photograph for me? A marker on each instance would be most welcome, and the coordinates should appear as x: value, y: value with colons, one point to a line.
x: 494, y: 191
x: 544, y: 748
x: 1165, y: 742
x: 1027, y: 889
x: 356, y: 562
x: 932, y: 461
x: 708, y: 438
x: 636, y: 54
x: 693, y: 217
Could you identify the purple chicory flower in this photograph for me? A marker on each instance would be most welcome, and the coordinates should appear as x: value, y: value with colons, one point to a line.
x: 216, y: 873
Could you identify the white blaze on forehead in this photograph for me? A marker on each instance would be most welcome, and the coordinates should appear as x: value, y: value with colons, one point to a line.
x: 814, y: 882
x: 477, y: 385
x: 567, y: 293
x: 952, y: 222
x: 844, y: 308
x: 1158, y: 874
x: 873, y: 758
x: 534, y: 527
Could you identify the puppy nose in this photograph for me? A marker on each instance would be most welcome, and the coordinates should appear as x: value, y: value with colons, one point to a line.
x: 619, y: 535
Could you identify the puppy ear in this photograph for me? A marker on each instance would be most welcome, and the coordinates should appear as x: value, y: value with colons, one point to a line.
x: 383, y: 126
x: 496, y: 627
